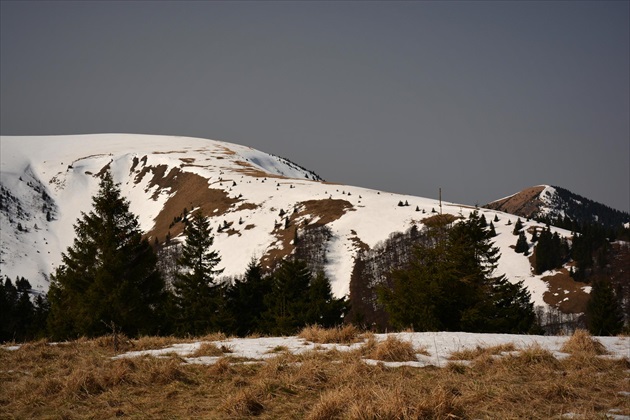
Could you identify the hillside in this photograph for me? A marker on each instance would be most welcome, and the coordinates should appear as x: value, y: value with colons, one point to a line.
x: 258, y: 205
x: 556, y: 203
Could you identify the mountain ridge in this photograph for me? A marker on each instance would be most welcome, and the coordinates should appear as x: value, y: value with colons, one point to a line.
x: 556, y: 204
x: 258, y: 204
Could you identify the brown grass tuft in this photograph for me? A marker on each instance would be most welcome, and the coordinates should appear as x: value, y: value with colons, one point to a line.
x: 316, y: 334
x: 392, y: 349
x: 471, y: 354
x: 218, y: 336
x: 208, y: 349
x: 441, y: 403
x: 245, y: 402
x: 154, y: 342
x: 163, y: 371
x: 221, y: 367
x: 581, y: 343
x: 332, y: 405
x: 530, y: 358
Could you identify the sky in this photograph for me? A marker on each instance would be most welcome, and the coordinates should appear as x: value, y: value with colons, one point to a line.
x: 481, y: 99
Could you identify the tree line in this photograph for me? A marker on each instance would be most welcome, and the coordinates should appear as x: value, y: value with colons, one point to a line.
x: 111, y: 280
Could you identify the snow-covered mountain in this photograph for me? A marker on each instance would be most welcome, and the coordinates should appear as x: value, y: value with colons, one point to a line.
x: 545, y: 201
x: 258, y: 204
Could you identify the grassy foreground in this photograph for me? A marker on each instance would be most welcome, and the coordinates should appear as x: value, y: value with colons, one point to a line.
x: 79, y: 379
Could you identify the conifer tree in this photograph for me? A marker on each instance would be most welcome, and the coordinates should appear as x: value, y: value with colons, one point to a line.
x: 449, y: 285
x: 20, y: 318
x: 298, y: 299
x: 493, y: 232
x: 521, y: 244
x: 246, y: 300
x: 108, y: 277
x: 287, y: 304
x: 197, y: 294
x: 517, y: 226
x: 603, y: 312
x: 550, y: 251
x: 324, y: 309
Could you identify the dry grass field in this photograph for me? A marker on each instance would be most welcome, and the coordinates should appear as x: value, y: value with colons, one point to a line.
x: 81, y: 379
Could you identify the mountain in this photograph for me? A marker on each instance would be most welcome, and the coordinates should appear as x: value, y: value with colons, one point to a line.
x: 260, y: 206
x: 548, y: 203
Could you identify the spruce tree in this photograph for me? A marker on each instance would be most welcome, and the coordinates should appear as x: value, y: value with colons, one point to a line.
x: 288, y: 302
x: 521, y: 244
x: 450, y: 285
x: 246, y: 300
x: 108, y: 278
x: 324, y: 309
x: 197, y: 294
x: 493, y: 232
x: 603, y: 312
x: 517, y: 226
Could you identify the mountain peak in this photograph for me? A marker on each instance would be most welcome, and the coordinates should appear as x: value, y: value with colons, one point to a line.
x: 545, y: 202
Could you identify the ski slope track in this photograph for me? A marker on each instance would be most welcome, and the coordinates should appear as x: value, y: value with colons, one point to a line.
x: 48, y: 181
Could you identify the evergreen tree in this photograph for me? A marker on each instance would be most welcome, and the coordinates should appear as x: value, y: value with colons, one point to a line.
x: 246, y: 300
x: 603, y: 312
x: 20, y: 318
x: 493, y: 232
x: 108, y: 277
x: 517, y: 226
x: 449, y: 285
x: 197, y: 293
x: 521, y: 244
x: 324, y: 309
x: 512, y: 311
x: 8, y: 301
x: 287, y: 304
x: 418, y: 292
x: 550, y: 251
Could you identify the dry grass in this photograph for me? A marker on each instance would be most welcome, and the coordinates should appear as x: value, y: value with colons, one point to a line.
x: 208, y: 349
x: 477, y: 352
x: 581, y: 343
x: 392, y: 349
x: 80, y: 379
x: 346, y: 334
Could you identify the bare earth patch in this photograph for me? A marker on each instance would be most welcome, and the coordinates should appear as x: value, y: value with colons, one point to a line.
x: 565, y: 293
x: 524, y: 203
x: 325, y: 211
x: 439, y: 220
x: 191, y: 191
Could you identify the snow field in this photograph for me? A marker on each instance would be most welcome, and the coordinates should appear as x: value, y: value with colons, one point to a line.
x: 439, y: 345
x: 65, y: 166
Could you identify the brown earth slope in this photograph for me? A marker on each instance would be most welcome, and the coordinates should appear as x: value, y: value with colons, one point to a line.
x: 525, y: 203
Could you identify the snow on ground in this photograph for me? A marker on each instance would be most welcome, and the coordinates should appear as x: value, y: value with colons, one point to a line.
x: 64, y: 167
x: 439, y: 345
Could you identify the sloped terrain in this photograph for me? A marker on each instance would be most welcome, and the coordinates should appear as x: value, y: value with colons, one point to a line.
x: 555, y: 203
x: 258, y: 204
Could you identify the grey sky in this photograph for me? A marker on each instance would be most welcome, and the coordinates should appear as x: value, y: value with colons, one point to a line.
x: 479, y: 98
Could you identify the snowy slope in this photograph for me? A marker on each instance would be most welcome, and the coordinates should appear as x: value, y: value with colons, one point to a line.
x: 55, y: 176
x: 545, y: 201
